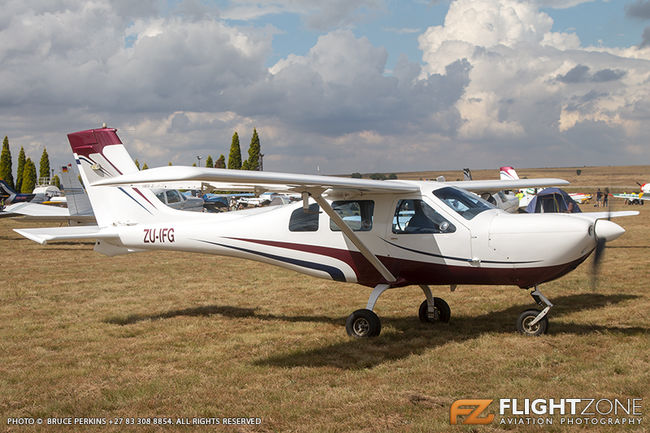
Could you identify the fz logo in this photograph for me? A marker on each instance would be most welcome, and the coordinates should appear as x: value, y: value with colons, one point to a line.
x: 473, y: 409
x: 151, y: 236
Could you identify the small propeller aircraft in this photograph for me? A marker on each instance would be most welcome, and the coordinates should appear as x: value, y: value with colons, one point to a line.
x: 380, y: 234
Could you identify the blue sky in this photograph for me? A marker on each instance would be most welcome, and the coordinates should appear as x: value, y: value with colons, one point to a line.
x: 398, y: 25
x: 344, y: 85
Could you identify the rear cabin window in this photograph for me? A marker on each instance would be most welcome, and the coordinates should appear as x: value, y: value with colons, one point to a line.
x: 304, y: 220
x: 356, y: 213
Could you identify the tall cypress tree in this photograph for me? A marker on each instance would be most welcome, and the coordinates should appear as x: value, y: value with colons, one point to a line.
x: 44, y: 168
x: 208, y: 162
x: 29, y: 177
x: 254, y: 152
x: 221, y: 162
x: 234, y: 159
x: 19, y: 171
x: 6, y: 173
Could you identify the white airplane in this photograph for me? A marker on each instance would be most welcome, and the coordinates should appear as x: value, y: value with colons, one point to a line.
x: 380, y: 234
x: 505, y: 200
x: 78, y: 210
x: 636, y: 197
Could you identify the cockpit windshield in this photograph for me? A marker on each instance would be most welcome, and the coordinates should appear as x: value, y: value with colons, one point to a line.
x: 466, y: 204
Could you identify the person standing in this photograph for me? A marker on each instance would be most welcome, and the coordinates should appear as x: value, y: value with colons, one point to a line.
x: 599, y: 198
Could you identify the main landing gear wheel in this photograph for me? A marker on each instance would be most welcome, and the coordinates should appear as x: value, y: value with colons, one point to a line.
x: 363, y: 323
x: 525, y: 326
x: 441, y: 311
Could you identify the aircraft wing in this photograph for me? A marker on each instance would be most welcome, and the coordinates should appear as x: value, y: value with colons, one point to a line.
x: 632, y: 196
x: 44, y: 235
x: 258, y: 180
x: 603, y: 215
x: 498, y: 185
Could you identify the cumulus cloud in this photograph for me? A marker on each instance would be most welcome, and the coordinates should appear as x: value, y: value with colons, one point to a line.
x: 495, y: 83
x: 581, y: 74
x: 530, y: 86
x: 638, y: 9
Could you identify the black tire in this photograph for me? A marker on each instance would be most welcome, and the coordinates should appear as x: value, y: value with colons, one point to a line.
x: 526, y: 317
x: 444, y: 312
x: 363, y: 324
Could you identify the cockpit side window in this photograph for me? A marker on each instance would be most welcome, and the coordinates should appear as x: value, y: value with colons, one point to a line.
x: 304, y: 220
x: 465, y: 204
x: 173, y: 196
x: 356, y: 213
x: 415, y: 216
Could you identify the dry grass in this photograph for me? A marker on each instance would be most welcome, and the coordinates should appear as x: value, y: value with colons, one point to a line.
x: 182, y: 335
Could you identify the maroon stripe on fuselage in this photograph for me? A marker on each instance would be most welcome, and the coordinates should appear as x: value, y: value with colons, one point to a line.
x: 142, y: 195
x: 364, y: 270
x: 410, y: 272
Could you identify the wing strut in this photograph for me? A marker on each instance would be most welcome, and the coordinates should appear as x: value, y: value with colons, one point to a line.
x: 353, y: 237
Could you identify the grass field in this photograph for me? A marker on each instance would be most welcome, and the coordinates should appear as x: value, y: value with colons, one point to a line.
x: 184, y: 335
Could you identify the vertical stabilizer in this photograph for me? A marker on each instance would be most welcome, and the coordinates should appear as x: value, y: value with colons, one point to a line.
x: 75, y: 195
x: 99, y: 155
x: 508, y: 173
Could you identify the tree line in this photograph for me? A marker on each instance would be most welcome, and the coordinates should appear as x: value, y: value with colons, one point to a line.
x: 235, y: 162
x: 26, y: 174
x: 26, y: 178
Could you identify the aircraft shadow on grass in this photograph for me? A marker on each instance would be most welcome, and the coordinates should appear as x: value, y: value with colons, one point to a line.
x: 405, y: 336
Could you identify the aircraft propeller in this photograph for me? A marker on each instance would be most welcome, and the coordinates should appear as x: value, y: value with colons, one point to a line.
x: 603, y: 229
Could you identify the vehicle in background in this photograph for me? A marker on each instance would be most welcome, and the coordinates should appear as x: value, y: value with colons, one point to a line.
x: 174, y: 199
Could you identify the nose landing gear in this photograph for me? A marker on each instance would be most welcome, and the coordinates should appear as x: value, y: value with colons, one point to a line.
x: 534, y: 322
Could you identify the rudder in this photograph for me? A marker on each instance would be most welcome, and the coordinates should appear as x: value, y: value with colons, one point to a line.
x: 100, y: 154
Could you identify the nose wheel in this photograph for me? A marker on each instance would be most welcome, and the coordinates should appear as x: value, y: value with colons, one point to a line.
x: 526, y: 326
x: 535, y: 322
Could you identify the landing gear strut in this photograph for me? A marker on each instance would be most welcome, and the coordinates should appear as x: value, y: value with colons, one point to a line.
x: 365, y: 323
x: 433, y: 309
x: 534, y: 322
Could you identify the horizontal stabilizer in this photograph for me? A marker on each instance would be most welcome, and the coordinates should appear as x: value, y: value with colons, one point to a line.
x: 498, y: 185
x: 44, y: 235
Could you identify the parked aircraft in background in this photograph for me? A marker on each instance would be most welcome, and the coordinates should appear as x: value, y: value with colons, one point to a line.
x: 398, y: 233
x: 78, y: 211
x: 9, y: 196
x: 636, y: 197
x: 505, y: 200
x: 173, y: 198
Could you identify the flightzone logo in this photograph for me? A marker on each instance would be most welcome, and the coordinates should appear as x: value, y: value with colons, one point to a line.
x: 542, y: 411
